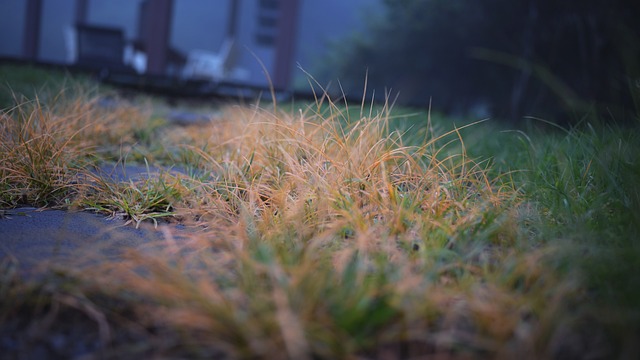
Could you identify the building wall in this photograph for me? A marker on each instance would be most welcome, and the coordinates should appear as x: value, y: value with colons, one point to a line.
x: 197, y: 24
x: 57, y: 16
x: 11, y: 27
x: 115, y: 13
x: 252, y: 54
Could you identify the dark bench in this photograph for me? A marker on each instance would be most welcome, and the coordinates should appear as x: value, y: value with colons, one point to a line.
x: 100, y: 48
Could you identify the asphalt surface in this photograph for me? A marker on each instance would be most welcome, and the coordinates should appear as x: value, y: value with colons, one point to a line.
x: 38, y: 240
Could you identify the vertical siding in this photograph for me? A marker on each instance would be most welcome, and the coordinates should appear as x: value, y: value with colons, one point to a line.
x: 32, y: 27
x: 199, y: 24
x: 12, y: 28
x: 57, y: 15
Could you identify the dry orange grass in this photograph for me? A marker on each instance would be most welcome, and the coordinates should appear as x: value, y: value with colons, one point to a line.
x: 315, y: 237
x: 46, y: 147
x: 309, y: 234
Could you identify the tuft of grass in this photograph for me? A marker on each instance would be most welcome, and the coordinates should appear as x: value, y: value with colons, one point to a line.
x: 23, y: 83
x: 584, y: 183
x: 138, y: 200
x: 48, y: 146
x: 334, y: 232
x: 42, y: 156
x: 329, y: 239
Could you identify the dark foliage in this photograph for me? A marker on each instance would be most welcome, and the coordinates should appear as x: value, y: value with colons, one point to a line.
x: 553, y: 59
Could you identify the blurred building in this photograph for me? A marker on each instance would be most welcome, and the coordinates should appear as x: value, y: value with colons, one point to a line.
x: 231, y: 40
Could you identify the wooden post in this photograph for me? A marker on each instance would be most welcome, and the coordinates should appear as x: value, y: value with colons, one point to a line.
x: 158, y: 29
x: 232, y: 28
x: 81, y: 11
x: 285, y: 43
x: 31, y: 40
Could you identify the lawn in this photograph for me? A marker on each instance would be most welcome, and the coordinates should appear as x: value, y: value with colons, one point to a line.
x: 325, y: 230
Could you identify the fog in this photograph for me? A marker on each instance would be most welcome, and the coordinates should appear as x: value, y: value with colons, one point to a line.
x: 196, y: 24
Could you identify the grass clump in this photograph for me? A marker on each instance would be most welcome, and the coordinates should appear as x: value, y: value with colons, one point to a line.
x: 583, y: 180
x: 20, y: 83
x: 147, y: 198
x: 40, y: 162
x: 328, y: 239
x: 47, y: 147
x: 332, y: 233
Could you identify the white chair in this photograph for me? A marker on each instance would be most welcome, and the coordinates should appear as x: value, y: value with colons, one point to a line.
x: 207, y: 65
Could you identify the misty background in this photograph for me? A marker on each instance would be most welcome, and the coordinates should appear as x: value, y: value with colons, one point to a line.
x: 196, y: 24
x: 561, y: 61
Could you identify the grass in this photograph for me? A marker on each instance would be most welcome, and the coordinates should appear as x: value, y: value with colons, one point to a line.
x: 327, y: 232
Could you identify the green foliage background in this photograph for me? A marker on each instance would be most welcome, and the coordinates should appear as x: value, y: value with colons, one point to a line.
x: 557, y: 60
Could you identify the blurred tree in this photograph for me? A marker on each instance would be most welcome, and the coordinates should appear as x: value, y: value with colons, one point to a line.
x: 532, y: 57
